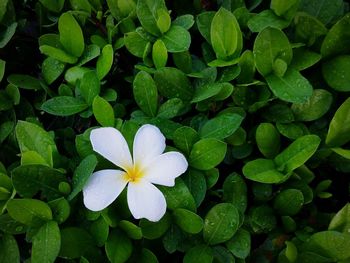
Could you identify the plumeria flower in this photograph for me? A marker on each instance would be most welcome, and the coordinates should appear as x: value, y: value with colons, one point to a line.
x: 148, y: 166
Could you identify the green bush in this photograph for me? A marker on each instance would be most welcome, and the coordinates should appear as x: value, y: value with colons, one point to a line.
x: 254, y: 94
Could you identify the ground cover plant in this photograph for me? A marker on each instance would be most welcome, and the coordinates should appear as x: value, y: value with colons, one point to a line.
x: 174, y: 131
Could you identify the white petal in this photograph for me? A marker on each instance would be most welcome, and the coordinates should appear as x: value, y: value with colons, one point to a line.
x: 146, y: 201
x: 149, y: 142
x: 165, y: 168
x: 110, y: 143
x: 102, y: 188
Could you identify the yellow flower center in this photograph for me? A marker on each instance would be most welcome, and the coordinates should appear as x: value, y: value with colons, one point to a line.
x: 133, y: 174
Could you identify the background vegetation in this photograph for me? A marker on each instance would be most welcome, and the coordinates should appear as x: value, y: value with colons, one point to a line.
x: 254, y: 93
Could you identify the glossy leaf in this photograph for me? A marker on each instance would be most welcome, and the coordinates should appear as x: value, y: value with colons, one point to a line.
x: 221, y: 223
x: 46, y: 243
x: 297, y: 153
x: 339, y: 128
x: 71, y: 35
x: 64, y: 106
x: 145, y: 93
x: 207, y: 153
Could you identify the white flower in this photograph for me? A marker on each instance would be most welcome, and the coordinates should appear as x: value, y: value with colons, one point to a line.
x: 148, y: 166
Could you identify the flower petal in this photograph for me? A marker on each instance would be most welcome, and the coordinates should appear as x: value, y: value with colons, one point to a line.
x: 102, y: 188
x: 110, y: 143
x: 149, y: 142
x: 146, y: 201
x: 165, y: 168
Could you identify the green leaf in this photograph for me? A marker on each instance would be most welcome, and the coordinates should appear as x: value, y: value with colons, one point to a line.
x: 58, y: 54
x: 337, y: 41
x: 75, y: 242
x: 220, y: 223
x: 54, y: 6
x: 339, y: 127
x: 279, y: 67
x: 60, y: 208
x: 135, y: 44
x: 147, y: 14
x: 177, y: 39
x: 99, y: 229
x: 2, y: 68
x: 178, y: 196
x: 341, y: 221
x: 163, y: 20
x: 71, y: 35
x: 291, y: 251
x: 154, y: 230
x: 207, y: 153
x: 288, y: 223
x: 235, y: 192
x: 267, y: 139
x: 24, y: 81
x: 270, y: 44
x: 240, y: 244
x: 5, y: 130
x: 46, y: 243
x: 262, y: 219
x: 335, y: 72
x: 173, y: 83
x: 29, y: 179
x: 7, y: 35
x: 105, y: 61
x: 3, y: 8
x: 118, y: 247
x: 297, y: 153
x: 121, y: 8
x: 280, y: 7
x: 308, y: 28
x: 263, y: 171
x: 188, y: 221
x: 31, y: 137
x: 89, y: 86
x: 207, y: 91
x: 186, y: 21
x: 292, y: 87
x: 82, y: 174
x: 172, y: 238
x: 304, y: 58
x: 133, y: 231
x: 147, y: 256
x: 292, y: 130
x: 196, y: 183
x: 222, y: 254
x: 75, y: 74
x: 145, y: 93
x: 159, y: 54
x: 64, y: 106
x: 184, y: 138
x: 5, y: 102
x: 92, y: 51
x: 289, y: 202
x: 170, y: 109
x: 221, y: 126
x: 325, y: 11
x: 342, y: 152
x: 52, y: 69
x: 199, y: 253
x: 318, y: 105
x: 331, y: 244
x: 203, y: 21
x: 9, y: 252
x: 264, y: 19
x: 11, y: 226
x: 225, y: 34
x: 103, y: 112
x: 30, y: 212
